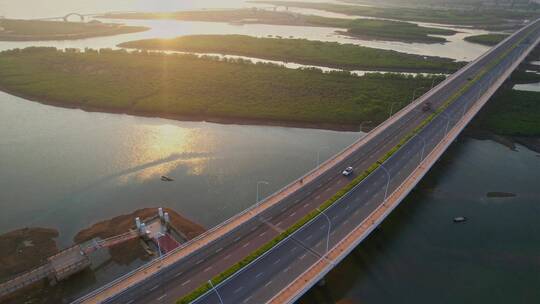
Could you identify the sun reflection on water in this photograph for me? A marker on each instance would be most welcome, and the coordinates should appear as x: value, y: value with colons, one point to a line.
x: 160, y: 149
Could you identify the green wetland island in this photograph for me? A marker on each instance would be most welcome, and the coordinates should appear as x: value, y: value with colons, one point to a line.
x: 327, y: 54
x: 232, y: 90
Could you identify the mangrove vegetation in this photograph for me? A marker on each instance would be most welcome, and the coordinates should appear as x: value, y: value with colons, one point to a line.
x: 328, y: 54
x: 190, y: 87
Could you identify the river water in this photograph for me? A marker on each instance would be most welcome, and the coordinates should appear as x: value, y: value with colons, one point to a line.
x: 67, y: 169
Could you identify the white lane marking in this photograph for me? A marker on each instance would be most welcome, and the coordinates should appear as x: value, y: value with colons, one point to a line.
x: 154, y: 288
x: 293, y: 249
x: 207, y: 269
x: 283, y: 209
x: 262, y: 234
x: 278, y: 224
x: 323, y: 226
x: 245, y: 245
x: 161, y: 298
x: 130, y: 301
x: 309, y: 237
x: 237, y: 239
x: 318, y: 196
x: 254, y: 228
x: 303, y: 256
x: 199, y: 261
x: 292, y: 214
x: 219, y: 249
x: 228, y: 256
x: 269, y: 282
x: 186, y: 282
x: 259, y: 274
x: 246, y: 299
x: 287, y: 269
x: 327, y: 189
x: 178, y: 274
x: 306, y: 205
x: 238, y: 289
x: 277, y: 261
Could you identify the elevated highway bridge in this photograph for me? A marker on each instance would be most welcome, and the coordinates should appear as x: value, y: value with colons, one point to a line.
x: 296, y: 263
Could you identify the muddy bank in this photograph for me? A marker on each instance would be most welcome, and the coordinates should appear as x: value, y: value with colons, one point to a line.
x: 24, y: 249
x: 129, y: 251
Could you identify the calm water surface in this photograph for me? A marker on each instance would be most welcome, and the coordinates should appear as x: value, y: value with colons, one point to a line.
x: 67, y: 169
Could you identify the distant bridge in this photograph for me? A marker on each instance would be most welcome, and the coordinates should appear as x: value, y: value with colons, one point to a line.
x: 81, y: 17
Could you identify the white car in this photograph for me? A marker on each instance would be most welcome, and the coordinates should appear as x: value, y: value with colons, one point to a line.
x: 348, y: 171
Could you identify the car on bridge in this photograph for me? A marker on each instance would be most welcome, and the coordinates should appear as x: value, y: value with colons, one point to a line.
x: 348, y: 171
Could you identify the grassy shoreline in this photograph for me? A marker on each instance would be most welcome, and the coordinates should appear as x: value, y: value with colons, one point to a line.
x: 486, y: 39
x: 38, y: 30
x: 302, y: 51
x: 190, y: 88
x: 366, y: 28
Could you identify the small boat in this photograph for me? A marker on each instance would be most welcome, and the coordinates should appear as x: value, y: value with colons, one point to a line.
x: 166, y: 178
x: 460, y: 219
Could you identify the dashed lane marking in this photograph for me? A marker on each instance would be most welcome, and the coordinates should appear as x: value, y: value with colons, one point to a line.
x: 161, y: 298
x: 238, y: 289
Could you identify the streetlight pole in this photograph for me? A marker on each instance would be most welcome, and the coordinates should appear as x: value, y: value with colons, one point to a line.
x: 447, y: 116
x: 432, y: 82
x: 258, y: 183
x: 392, y: 108
x: 319, y: 155
x: 363, y: 123
x: 414, y: 93
x: 329, y: 227
x: 215, y: 290
x: 387, y: 183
